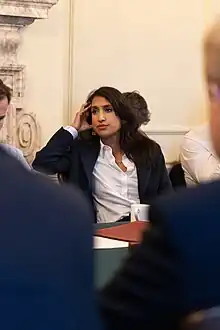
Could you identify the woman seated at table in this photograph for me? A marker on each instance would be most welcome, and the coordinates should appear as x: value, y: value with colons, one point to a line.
x: 105, y: 155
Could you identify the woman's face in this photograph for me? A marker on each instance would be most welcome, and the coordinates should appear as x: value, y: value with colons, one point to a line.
x: 105, y: 122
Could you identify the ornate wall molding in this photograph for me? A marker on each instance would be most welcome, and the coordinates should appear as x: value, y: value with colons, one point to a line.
x: 20, y: 128
x: 34, y: 9
x: 166, y: 130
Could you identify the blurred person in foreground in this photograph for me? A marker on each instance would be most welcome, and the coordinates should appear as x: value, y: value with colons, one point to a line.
x: 45, y: 253
x: 5, y: 99
x: 175, y: 270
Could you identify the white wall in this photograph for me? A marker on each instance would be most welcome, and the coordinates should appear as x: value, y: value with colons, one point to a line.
x: 44, y: 51
x: 150, y: 46
x: 212, y: 10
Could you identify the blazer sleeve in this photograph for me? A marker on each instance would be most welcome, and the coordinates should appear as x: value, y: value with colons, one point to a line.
x: 165, y: 185
x: 55, y: 157
x: 144, y: 294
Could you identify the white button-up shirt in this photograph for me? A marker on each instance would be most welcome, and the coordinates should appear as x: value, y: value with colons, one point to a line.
x: 113, y: 190
x: 198, y: 158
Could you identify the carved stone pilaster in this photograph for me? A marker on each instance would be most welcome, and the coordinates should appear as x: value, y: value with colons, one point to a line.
x: 21, y: 127
x: 10, y: 40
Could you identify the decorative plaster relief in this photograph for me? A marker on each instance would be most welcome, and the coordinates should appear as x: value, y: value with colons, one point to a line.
x: 20, y: 128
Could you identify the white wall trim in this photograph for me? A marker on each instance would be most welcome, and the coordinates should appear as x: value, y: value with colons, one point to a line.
x: 68, y: 101
x: 170, y: 138
x: 166, y: 130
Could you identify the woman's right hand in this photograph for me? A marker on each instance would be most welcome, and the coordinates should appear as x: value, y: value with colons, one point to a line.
x: 80, y: 121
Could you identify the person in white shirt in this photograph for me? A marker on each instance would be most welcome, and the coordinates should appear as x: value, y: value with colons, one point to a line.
x: 104, y: 154
x: 5, y: 99
x: 198, y: 158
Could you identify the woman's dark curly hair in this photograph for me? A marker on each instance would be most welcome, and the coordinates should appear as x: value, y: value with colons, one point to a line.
x: 137, y: 146
x: 5, y: 92
x: 139, y: 106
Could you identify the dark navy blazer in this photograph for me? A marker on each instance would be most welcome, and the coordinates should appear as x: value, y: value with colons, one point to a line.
x: 75, y: 160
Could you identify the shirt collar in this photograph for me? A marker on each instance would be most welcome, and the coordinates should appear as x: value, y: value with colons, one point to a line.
x: 103, y: 149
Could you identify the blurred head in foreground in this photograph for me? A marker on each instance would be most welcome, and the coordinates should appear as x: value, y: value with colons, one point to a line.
x: 212, y: 75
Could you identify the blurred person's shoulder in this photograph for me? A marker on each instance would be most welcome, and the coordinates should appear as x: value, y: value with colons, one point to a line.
x: 46, y: 235
x: 37, y: 191
x: 189, y: 207
x: 11, y: 150
x: 16, y: 153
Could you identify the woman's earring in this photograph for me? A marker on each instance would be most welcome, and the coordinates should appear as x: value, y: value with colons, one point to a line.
x: 93, y: 133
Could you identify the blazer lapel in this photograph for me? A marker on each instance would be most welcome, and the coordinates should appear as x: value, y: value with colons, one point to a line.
x: 89, y: 153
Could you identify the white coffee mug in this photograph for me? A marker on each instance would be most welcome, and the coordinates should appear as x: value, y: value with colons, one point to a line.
x: 139, y: 212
